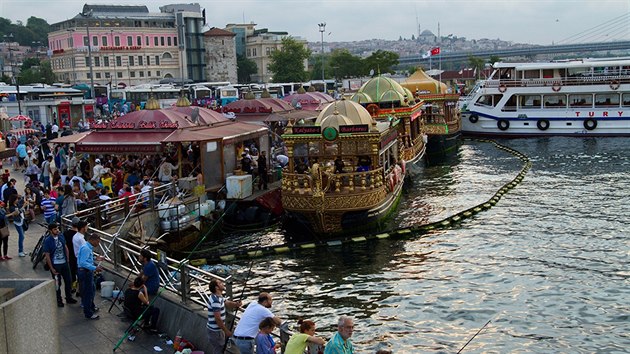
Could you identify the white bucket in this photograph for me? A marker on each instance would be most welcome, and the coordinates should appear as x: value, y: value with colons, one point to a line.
x: 107, y: 288
x: 118, y: 293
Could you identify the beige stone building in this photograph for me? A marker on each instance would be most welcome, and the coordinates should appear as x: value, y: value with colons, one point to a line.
x: 220, y: 55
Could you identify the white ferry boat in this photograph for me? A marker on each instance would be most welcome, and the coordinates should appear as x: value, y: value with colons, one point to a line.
x: 574, y: 98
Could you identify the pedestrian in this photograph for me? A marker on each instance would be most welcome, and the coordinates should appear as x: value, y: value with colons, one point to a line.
x: 4, y: 233
x: 20, y: 153
x: 262, y: 170
x: 264, y: 339
x: 46, y: 171
x: 49, y: 207
x: 69, y: 203
x: 86, y: 271
x: 246, y: 163
x: 78, y: 240
x: 298, y: 342
x: 17, y: 214
x: 340, y: 342
x: 137, y: 303
x: 57, y: 259
x: 150, y: 273
x: 72, y: 255
x: 247, y: 327
x: 8, y: 190
x: 217, y: 329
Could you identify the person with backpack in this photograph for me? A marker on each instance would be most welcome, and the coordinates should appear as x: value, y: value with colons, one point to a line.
x: 57, y: 258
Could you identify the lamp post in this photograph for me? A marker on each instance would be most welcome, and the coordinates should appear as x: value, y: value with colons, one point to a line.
x: 89, y: 45
x: 71, y: 45
x: 8, y: 39
x: 111, y: 40
x: 322, y: 29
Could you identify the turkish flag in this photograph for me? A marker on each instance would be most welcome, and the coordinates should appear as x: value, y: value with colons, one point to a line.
x: 435, y: 51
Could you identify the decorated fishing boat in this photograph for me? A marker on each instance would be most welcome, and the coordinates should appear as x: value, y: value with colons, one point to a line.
x: 344, y: 173
x: 442, y: 118
x: 589, y: 97
x: 385, y: 99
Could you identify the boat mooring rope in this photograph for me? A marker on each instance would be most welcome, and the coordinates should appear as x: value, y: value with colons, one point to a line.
x: 402, y: 233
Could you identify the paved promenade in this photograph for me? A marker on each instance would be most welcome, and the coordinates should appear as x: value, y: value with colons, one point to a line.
x: 77, y: 334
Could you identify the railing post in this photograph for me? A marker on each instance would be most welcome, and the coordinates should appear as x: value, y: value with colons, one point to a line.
x: 117, y: 253
x: 228, y: 288
x: 126, y: 205
x: 183, y: 281
x: 97, y: 222
x: 152, y: 199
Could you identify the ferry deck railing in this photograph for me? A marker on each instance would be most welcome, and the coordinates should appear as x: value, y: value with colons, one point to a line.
x: 560, y: 81
x: 341, y: 183
x: 179, y: 277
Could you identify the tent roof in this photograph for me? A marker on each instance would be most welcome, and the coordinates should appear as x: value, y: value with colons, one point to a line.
x: 423, y: 83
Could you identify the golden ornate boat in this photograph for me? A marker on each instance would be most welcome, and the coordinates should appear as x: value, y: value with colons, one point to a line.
x: 344, y: 173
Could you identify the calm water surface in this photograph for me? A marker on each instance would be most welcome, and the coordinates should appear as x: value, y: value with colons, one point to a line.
x: 548, y: 265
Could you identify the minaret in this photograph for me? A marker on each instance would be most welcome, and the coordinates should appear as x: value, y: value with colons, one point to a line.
x: 439, y: 36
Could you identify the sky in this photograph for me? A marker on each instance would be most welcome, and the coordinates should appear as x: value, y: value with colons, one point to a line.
x: 520, y: 21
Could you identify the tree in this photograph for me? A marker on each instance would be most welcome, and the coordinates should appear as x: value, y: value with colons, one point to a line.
x: 37, y: 74
x: 245, y: 69
x: 493, y: 59
x: 29, y: 63
x: 381, y: 61
x: 287, y: 64
x: 345, y: 65
x: 477, y: 63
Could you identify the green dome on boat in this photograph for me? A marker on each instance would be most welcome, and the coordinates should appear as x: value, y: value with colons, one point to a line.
x: 380, y: 90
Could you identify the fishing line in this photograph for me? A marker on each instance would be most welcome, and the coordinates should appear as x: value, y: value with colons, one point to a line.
x: 473, y: 337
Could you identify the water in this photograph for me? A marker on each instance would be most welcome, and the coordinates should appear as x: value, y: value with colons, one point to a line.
x: 548, y: 265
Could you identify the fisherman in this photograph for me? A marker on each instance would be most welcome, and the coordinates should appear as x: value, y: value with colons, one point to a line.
x: 247, y: 327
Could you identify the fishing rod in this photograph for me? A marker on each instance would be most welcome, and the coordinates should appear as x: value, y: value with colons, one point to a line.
x: 473, y: 337
x: 249, y: 272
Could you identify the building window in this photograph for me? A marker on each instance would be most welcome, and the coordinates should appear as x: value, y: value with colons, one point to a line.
x: 148, y: 73
x: 139, y: 41
x: 131, y: 60
x: 175, y: 41
x: 146, y: 41
x: 148, y: 60
x: 155, y: 41
x: 119, y: 74
x: 88, y: 76
x: 87, y: 61
x: 141, y: 73
x: 95, y: 41
x: 117, y: 41
x: 105, y: 61
x: 129, y: 40
x: 157, y: 73
x: 132, y: 74
x: 268, y: 51
x: 162, y: 41
x: 104, y: 41
x: 118, y: 61
x: 253, y: 52
x: 97, y: 61
x: 86, y: 42
x: 107, y: 75
x: 157, y: 60
x: 97, y: 75
x: 249, y: 52
x: 168, y: 40
x: 140, y: 60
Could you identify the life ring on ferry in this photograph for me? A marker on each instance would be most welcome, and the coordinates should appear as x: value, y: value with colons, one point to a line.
x: 590, y: 124
x: 542, y: 124
x: 473, y: 118
x: 503, y: 124
x: 556, y: 87
x: 614, y: 84
x: 502, y: 88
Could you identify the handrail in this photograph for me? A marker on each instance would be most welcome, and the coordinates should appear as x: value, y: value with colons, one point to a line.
x: 562, y: 81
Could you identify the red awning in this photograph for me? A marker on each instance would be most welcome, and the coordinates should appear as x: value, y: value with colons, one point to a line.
x: 103, y: 142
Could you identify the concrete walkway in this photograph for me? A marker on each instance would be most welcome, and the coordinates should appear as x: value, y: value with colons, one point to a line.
x: 77, y: 334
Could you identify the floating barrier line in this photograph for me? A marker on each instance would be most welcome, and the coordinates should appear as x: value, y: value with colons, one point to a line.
x: 402, y: 233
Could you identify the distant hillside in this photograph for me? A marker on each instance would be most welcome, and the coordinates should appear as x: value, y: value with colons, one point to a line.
x: 35, y: 33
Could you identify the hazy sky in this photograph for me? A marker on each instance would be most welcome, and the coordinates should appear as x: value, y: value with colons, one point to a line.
x: 521, y: 21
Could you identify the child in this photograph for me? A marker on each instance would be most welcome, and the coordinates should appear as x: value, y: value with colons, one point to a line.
x: 49, y: 207
x: 264, y: 340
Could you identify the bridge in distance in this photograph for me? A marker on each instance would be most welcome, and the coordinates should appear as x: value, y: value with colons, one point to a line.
x: 447, y: 57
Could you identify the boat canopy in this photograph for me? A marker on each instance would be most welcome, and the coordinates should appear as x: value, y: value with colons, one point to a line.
x: 423, y: 83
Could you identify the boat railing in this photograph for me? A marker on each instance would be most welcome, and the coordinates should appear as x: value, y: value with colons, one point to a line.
x: 185, y: 281
x: 347, y: 182
x: 557, y: 82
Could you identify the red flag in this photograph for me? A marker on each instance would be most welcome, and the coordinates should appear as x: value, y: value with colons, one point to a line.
x: 435, y: 51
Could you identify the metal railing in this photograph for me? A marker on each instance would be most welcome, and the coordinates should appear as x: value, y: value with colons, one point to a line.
x: 178, y: 277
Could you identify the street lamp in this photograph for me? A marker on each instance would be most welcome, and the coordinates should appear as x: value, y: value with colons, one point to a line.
x: 89, y: 47
x: 9, y: 39
x: 322, y: 29
x: 71, y: 45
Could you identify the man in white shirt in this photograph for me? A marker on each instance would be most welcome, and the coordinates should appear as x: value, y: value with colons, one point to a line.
x: 247, y: 328
x: 166, y: 171
x: 97, y: 171
x: 78, y: 239
x: 54, y: 129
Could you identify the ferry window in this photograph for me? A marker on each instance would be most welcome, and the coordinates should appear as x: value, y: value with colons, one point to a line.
x: 510, y: 105
x: 531, y: 74
x: 314, y: 148
x: 555, y: 101
x: 332, y: 149
x: 300, y: 149
x: 547, y: 73
x: 626, y: 99
x: 485, y: 100
x: 573, y: 72
x: 529, y: 101
x: 581, y: 100
x: 607, y: 100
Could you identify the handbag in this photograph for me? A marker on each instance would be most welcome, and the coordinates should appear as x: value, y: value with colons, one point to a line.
x: 4, y: 231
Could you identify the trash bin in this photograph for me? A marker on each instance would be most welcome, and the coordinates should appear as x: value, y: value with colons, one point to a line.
x: 278, y: 173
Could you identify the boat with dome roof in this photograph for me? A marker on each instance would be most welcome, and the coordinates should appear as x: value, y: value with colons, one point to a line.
x: 346, y: 171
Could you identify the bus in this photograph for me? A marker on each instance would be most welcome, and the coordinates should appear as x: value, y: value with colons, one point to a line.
x: 226, y: 94
x: 167, y: 95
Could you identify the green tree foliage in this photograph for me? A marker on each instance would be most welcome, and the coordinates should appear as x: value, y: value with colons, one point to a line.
x: 245, y: 69
x: 37, y: 74
x: 35, y: 33
x: 477, y: 63
x: 29, y: 63
x: 345, y: 65
x: 287, y: 64
x: 381, y: 61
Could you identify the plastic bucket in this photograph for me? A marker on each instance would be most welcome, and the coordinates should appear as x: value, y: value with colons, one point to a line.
x: 117, y: 294
x: 107, y: 288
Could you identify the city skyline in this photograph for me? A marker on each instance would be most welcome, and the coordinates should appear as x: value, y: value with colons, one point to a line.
x: 519, y: 21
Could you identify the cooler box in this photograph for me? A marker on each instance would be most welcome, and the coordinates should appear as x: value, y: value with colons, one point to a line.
x: 239, y: 187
